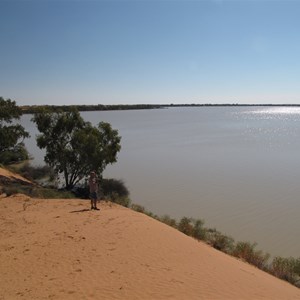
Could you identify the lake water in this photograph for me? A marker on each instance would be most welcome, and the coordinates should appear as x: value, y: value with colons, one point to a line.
x: 237, y: 168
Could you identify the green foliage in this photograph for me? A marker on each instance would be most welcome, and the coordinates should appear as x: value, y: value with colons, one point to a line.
x: 192, y: 227
x: 247, y: 252
x: 286, y: 268
x: 199, y: 232
x: 124, y: 201
x: 168, y: 220
x: 35, y: 173
x: 99, y: 107
x: 48, y: 193
x: 116, y: 191
x: 138, y: 208
x: 75, y: 147
x: 36, y: 192
x: 110, y: 189
x: 141, y: 209
x: 14, y: 155
x: 151, y: 214
x: 11, y: 135
x: 220, y: 241
x: 9, y: 110
x: 185, y: 226
x: 109, y: 186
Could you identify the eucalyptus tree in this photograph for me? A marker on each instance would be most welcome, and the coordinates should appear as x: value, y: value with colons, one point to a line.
x: 73, y: 146
x: 12, y: 134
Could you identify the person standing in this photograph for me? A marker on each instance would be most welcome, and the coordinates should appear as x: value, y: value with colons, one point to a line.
x: 93, y: 186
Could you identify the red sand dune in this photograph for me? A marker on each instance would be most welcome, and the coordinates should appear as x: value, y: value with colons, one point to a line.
x: 58, y: 249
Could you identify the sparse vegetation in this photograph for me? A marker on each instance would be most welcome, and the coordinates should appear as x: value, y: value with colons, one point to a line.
x: 220, y: 241
x: 138, y: 208
x: 199, y: 232
x: 168, y: 220
x: 113, y: 187
x: 36, y: 172
x: 185, y: 226
x: 115, y: 190
x: 287, y: 269
x: 110, y: 189
x: 247, y: 252
x: 284, y: 268
x: 36, y: 192
x: 122, y: 200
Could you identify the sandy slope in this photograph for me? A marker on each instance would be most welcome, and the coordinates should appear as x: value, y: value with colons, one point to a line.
x: 13, y: 176
x: 58, y: 249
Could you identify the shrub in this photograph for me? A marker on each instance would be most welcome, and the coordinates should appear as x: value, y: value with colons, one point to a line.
x: 37, y: 192
x: 34, y: 173
x: 198, y: 232
x: 110, y: 189
x: 81, y: 192
x: 19, y: 153
x: 138, y: 208
x: 185, y: 226
x: 246, y: 251
x: 53, y: 194
x: 114, y: 186
x: 192, y: 227
x: 168, y: 220
x: 122, y: 200
x: 141, y: 209
x: 116, y: 191
x: 286, y: 268
x: 16, y: 189
x: 151, y: 214
x: 220, y: 241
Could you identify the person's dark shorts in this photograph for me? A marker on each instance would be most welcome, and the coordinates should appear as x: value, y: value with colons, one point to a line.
x: 93, y: 196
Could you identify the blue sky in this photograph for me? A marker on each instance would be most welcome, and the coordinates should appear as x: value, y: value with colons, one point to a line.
x: 127, y: 52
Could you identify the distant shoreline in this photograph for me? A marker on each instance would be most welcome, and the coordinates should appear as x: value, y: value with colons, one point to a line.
x: 30, y: 109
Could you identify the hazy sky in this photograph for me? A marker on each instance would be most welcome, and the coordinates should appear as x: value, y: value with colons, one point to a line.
x: 111, y: 52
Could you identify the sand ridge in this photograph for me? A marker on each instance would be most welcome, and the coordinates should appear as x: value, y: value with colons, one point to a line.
x: 13, y: 176
x: 59, y: 249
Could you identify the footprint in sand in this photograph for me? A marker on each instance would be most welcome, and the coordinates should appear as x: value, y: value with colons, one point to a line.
x: 51, y: 279
x: 7, y: 247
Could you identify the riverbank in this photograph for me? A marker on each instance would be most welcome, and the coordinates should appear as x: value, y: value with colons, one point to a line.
x: 62, y: 250
x: 236, y: 168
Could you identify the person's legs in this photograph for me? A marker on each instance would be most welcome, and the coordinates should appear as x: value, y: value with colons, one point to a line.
x: 93, y: 197
x: 94, y: 201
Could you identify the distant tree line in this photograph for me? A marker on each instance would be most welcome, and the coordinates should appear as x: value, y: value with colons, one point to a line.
x: 32, y: 109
